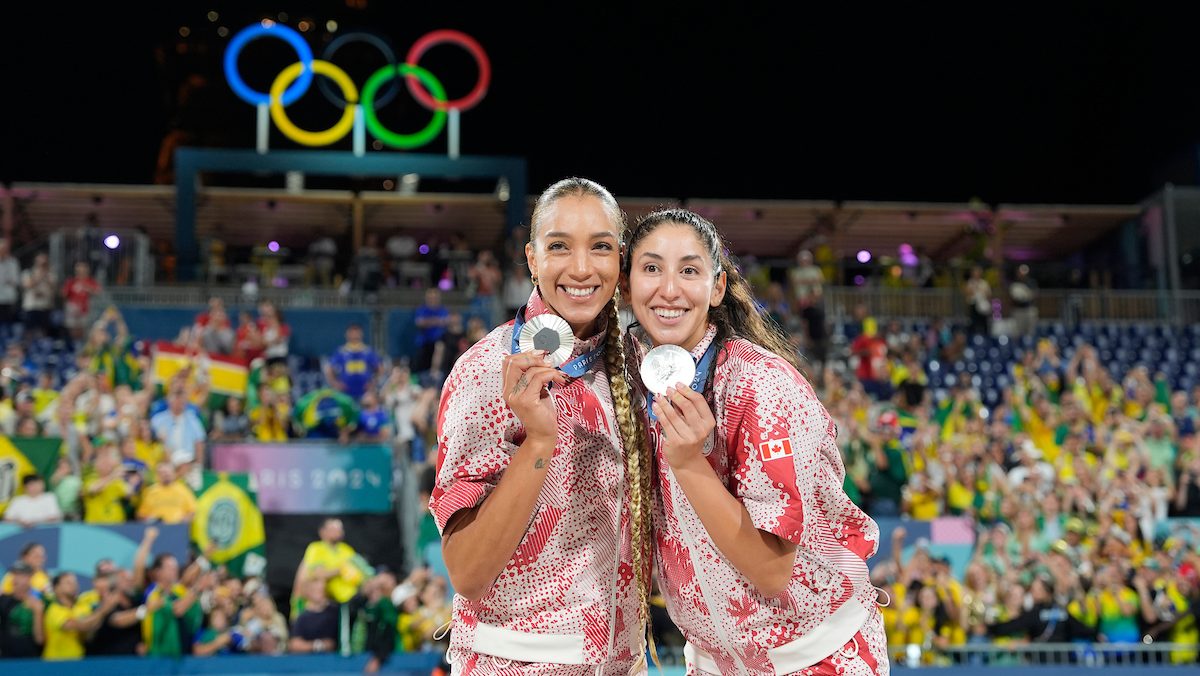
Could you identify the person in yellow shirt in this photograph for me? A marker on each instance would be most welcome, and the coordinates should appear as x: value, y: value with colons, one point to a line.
x: 104, y: 489
x: 334, y: 561
x: 67, y: 622
x: 33, y: 555
x: 169, y: 499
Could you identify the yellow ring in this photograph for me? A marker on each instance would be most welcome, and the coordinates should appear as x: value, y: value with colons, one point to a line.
x: 314, y: 138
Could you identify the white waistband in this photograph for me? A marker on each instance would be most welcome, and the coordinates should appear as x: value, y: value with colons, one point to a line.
x: 526, y: 647
x: 805, y: 651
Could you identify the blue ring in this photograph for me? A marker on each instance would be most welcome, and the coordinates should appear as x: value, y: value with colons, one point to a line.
x: 271, y: 30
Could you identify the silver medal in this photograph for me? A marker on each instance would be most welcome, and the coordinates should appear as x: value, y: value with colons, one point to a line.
x: 667, y: 365
x: 550, y: 333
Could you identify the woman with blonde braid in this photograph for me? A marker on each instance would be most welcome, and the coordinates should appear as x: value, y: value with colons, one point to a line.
x: 536, y: 500
x: 761, y: 554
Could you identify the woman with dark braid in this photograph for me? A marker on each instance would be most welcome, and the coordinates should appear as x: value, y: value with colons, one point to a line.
x: 761, y: 554
x: 535, y: 497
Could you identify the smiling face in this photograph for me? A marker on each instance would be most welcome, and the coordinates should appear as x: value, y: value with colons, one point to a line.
x: 673, y: 282
x: 576, y: 256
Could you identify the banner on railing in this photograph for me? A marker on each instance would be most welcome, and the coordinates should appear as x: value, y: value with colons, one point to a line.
x: 76, y: 547
x: 313, y: 478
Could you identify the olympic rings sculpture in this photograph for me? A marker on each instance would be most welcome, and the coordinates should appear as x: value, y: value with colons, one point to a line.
x: 294, y: 81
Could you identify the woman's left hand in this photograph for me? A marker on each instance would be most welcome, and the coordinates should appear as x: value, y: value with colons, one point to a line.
x: 686, y: 422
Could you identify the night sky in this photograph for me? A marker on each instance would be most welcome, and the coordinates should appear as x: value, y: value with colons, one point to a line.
x: 1049, y: 103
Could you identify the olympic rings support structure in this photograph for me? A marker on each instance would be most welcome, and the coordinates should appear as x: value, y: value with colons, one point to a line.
x: 359, y: 113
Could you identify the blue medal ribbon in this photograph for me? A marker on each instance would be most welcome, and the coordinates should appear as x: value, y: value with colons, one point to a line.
x: 575, y: 367
x: 697, y: 383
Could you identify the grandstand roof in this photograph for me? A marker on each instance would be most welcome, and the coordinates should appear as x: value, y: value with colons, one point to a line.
x: 764, y: 228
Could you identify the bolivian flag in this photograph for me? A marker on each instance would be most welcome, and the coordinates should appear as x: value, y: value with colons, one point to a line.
x: 225, y: 375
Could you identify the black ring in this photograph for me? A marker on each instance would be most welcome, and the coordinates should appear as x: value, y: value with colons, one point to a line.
x: 375, y: 41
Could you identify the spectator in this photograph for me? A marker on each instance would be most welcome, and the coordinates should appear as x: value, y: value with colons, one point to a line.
x: 168, y: 500
x: 22, y: 628
x: 248, y: 341
x: 270, y: 419
x: 400, y: 393
x: 77, y: 295
x: 33, y: 506
x: 807, y: 284
x: 978, y: 295
x: 66, y: 485
x: 869, y: 350
x: 230, y: 422
x: 316, y: 627
x: 173, y: 611
x: 68, y: 622
x: 106, y: 494
x: 331, y: 561
x: 10, y: 288
x: 485, y: 279
x: 374, y: 424
x: 181, y: 432
x: 112, y: 352
x: 213, y: 332
x: 275, y: 332
x: 325, y: 413
x: 119, y: 632
x: 39, y: 286
x: 431, y: 319
x: 888, y: 472
x: 322, y: 259
x: 218, y: 637
x: 450, y: 346
x: 433, y: 614
x: 517, y: 288
x: 367, y: 265
x: 1023, y: 292
x: 381, y: 619
x: 33, y: 555
x: 264, y: 627
x: 354, y: 366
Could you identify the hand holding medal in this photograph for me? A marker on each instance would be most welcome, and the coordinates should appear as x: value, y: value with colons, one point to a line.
x: 549, y: 333
x: 683, y: 415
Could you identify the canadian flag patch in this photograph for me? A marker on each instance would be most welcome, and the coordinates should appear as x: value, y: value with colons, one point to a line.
x: 774, y: 449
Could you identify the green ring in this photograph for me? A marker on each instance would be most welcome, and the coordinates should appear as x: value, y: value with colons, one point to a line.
x: 389, y: 137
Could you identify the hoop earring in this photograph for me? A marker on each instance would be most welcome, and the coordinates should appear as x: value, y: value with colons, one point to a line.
x: 534, y: 278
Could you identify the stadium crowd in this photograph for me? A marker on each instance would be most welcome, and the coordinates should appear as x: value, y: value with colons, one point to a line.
x: 1074, y: 478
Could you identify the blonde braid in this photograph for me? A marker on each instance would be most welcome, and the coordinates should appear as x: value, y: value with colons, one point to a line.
x: 637, y: 465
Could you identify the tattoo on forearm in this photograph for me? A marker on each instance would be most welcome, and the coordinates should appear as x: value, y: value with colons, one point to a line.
x: 521, y: 384
x: 539, y: 463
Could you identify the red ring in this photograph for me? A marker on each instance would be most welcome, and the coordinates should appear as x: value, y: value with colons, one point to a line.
x: 468, y: 43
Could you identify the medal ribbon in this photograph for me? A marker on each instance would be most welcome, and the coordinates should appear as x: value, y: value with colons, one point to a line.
x: 697, y: 383
x: 574, y: 368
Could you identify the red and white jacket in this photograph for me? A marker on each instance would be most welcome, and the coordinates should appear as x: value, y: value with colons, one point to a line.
x: 774, y: 448
x: 564, y: 602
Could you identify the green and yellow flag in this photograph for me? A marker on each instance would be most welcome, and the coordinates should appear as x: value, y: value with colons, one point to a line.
x: 228, y: 520
x: 14, y: 467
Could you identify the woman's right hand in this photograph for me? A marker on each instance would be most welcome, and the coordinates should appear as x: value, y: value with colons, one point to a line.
x: 526, y: 376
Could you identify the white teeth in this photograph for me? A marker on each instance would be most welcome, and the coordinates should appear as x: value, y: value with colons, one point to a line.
x: 669, y: 314
x: 580, y: 293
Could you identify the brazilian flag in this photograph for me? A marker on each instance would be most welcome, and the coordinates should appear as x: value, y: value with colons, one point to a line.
x: 324, y: 412
x: 228, y: 520
x: 22, y: 456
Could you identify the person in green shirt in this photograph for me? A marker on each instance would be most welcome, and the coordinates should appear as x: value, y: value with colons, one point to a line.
x: 173, y: 614
x: 889, y: 471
